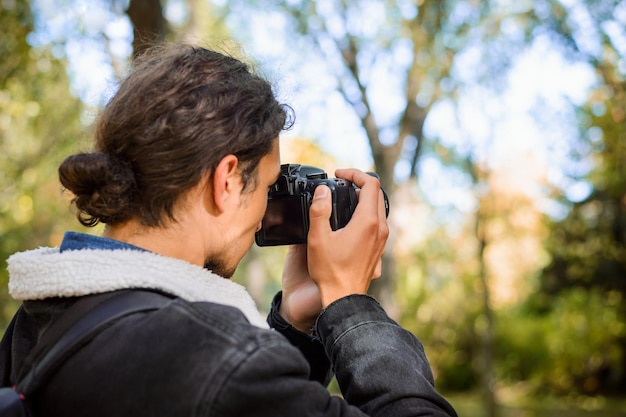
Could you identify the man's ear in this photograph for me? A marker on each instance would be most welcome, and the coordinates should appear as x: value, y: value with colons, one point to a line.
x: 225, y: 181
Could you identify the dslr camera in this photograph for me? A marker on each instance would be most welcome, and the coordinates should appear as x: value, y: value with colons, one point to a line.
x: 286, y: 220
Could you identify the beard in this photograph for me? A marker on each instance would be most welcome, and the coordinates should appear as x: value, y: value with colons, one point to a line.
x: 219, y: 267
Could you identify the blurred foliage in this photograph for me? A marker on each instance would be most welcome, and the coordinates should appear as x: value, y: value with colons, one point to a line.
x: 39, y: 125
x: 439, y: 304
x: 575, y: 347
x: 588, y: 247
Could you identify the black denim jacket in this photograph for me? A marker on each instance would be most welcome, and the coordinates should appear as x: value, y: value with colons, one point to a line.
x: 205, y: 359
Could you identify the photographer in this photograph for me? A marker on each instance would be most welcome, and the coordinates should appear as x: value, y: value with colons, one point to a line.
x: 184, y: 156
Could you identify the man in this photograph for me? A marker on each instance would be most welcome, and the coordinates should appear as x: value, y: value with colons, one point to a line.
x: 185, y: 154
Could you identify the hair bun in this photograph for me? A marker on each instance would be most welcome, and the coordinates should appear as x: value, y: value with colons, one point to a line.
x: 103, y: 187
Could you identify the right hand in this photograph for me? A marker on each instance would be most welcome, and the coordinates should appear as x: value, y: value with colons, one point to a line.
x: 345, y: 261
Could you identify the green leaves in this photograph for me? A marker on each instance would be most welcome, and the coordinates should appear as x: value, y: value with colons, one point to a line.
x: 39, y: 125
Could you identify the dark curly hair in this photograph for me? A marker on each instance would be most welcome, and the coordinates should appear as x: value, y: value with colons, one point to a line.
x: 177, y: 114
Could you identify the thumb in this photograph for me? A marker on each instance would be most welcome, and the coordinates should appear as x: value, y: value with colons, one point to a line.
x: 320, y: 210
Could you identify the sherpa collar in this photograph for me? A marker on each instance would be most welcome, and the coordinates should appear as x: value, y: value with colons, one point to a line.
x: 47, y: 272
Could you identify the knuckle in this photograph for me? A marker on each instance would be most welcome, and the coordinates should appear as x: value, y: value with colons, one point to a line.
x: 318, y: 209
x: 370, y: 222
x: 314, y: 240
x: 314, y: 209
x: 372, y: 182
x: 384, y: 230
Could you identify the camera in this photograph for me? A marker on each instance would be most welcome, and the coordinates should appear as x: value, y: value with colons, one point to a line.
x: 286, y: 220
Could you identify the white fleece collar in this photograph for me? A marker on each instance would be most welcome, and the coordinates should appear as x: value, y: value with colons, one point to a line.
x: 47, y: 272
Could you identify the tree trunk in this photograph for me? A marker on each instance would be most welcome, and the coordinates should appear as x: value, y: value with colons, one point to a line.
x: 487, y: 330
x: 487, y: 333
x: 149, y: 25
x: 383, y: 289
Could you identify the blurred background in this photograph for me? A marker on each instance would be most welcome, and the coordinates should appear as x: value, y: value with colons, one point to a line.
x: 498, y: 129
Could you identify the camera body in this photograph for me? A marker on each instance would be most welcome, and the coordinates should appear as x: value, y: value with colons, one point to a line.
x: 286, y: 220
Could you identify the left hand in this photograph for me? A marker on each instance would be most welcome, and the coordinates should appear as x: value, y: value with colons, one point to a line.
x: 301, y: 302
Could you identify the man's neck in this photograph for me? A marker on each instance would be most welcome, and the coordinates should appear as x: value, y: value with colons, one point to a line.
x: 171, y: 240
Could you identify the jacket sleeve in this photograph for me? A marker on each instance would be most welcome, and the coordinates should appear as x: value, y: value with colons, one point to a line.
x: 381, y: 369
x: 310, y: 346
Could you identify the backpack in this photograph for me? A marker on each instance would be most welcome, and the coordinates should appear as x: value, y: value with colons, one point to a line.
x: 73, y: 330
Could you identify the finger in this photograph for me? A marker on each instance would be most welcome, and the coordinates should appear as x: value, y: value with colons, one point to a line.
x: 369, y: 188
x: 358, y: 177
x: 382, y: 209
x: 319, y: 212
x: 383, y: 226
x: 384, y: 200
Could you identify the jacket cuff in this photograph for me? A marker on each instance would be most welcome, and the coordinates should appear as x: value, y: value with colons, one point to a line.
x: 347, y: 313
x: 309, y: 345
